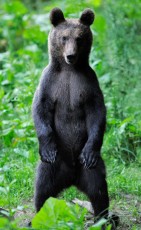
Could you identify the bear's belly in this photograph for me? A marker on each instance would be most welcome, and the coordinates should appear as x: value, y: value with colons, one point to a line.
x: 71, y: 133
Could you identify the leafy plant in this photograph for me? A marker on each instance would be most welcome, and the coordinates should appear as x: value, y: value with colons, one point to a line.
x: 58, y: 214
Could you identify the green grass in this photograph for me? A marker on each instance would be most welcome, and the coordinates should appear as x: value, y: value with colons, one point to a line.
x: 115, y: 56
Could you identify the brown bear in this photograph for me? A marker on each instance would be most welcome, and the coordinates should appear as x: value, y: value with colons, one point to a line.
x: 70, y: 116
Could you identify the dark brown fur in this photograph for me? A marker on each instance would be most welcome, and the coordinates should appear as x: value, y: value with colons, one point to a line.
x: 70, y: 116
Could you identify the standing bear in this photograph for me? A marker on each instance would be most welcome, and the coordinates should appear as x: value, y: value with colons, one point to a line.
x: 70, y: 116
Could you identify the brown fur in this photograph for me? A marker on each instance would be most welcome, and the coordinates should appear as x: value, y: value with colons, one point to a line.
x: 72, y: 29
x: 70, y: 116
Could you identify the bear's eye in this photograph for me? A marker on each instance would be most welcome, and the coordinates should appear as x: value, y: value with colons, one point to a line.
x: 64, y: 38
x: 78, y: 39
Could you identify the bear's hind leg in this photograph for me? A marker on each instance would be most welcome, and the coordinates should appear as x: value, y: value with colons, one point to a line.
x: 44, y: 185
x: 51, y: 180
x: 93, y: 183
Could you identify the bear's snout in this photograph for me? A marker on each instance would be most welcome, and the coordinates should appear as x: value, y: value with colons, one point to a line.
x: 71, y: 58
x: 70, y: 52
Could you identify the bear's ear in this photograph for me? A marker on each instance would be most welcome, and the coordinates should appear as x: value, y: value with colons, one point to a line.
x: 56, y: 16
x: 87, y: 17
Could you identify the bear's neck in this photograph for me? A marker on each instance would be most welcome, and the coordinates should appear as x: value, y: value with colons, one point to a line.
x: 60, y: 63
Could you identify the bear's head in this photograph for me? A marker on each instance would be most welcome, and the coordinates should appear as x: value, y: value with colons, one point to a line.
x: 70, y: 40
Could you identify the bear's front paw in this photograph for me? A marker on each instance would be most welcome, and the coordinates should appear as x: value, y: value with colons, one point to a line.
x: 89, y: 159
x: 48, y: 156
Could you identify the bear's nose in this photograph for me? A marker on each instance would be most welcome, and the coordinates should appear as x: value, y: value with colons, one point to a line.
x: 71, y: 57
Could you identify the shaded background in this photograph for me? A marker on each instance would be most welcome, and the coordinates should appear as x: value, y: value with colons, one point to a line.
x: 116, y: 58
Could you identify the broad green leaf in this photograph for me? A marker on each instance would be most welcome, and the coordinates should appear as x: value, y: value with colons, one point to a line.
x: 58, y: 214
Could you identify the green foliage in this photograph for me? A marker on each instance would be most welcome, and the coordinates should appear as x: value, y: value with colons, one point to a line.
x: 121, y: 83
x: 57, y: 214
x: 5, y: 224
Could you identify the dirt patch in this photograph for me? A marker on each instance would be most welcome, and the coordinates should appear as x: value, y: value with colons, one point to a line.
x: 127, y: 207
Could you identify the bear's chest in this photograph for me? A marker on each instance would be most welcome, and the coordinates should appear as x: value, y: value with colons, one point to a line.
x: 70, y: 90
